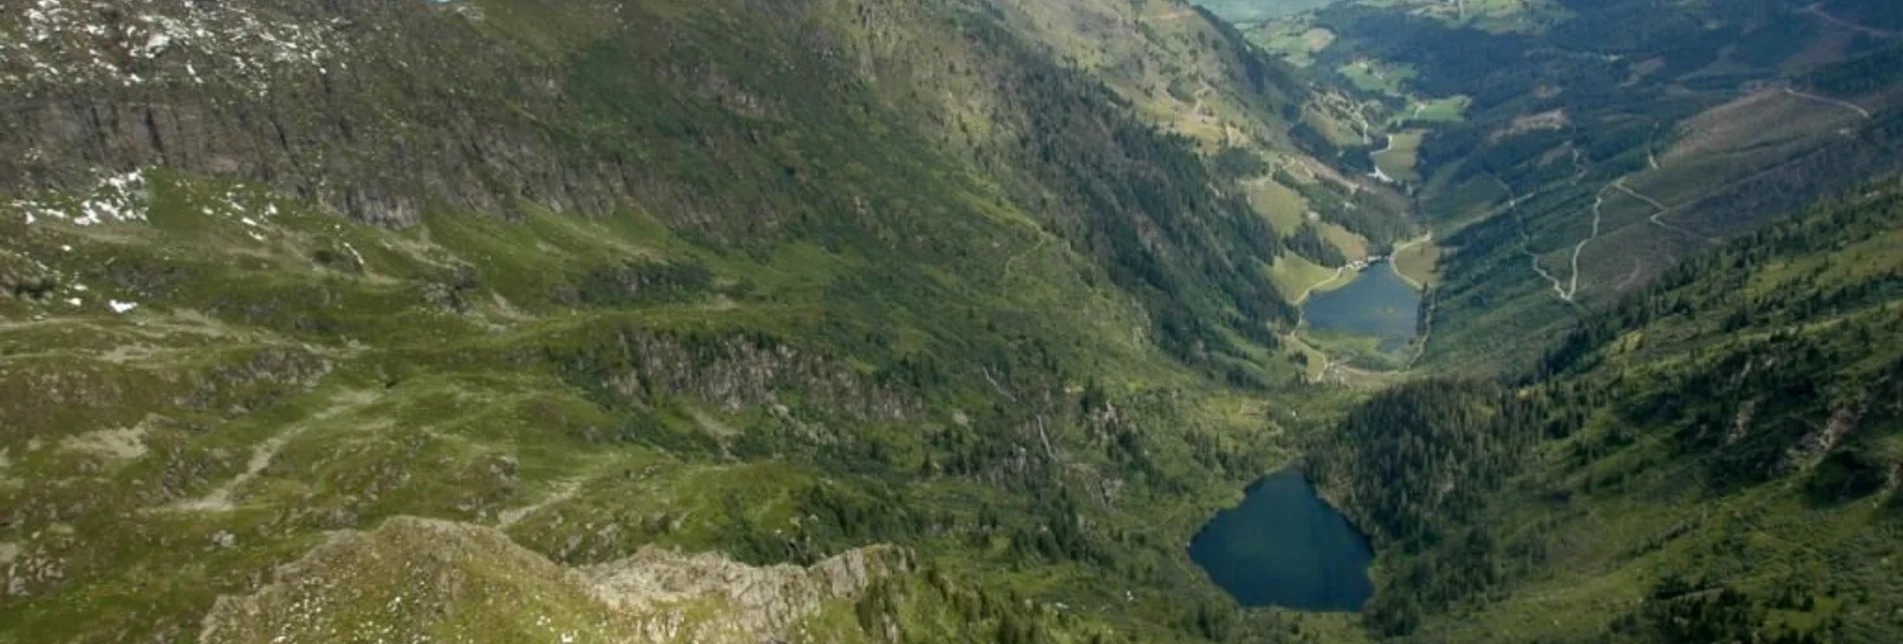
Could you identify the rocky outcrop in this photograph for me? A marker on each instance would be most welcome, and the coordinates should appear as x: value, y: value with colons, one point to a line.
x: 22, y: 277
x: 1816, y: 444
x: 267, y: 375
x: 662, y: 588
x: 418, y: 579
x: 736, y: 372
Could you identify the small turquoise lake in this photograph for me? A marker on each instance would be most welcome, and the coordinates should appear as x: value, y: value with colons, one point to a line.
x: 1378, y: 304
x: 1285, y: 546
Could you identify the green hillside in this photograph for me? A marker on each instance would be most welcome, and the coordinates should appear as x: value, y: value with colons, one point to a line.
x: 1713, y: 459
x: 1250, y: 11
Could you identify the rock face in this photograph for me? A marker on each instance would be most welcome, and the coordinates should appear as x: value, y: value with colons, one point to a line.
x: 661, y: 590
x: 387, y: 583
x: 345, y: 103
x: 414, y: 580
x: 737, y: 372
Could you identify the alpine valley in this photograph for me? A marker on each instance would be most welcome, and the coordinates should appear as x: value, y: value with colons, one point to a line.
x: 1012, y: 321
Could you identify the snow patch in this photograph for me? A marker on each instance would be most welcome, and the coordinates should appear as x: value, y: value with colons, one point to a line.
x: 115, y: 199
x: 83, y: 42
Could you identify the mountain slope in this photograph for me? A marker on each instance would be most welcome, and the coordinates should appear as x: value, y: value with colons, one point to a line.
x: 907, y: 320
x: 1715, y: 458
x: 1569, y: 152
x: 776, y: 280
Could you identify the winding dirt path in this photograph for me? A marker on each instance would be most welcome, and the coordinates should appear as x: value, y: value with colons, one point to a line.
x: 1598, y: 203
x: 1010, y: 265
x: 563, y: 491
x: 1638, y: 267
x: 1374, y: 159
x: 1659, y: 211
x: 1174, y: 15
x: 1362, y: 118
x: 1831, y: 101
x: 1567, y: 290
x: 1513, y: 208
x: 1818, y: 11
x: 1651, y: 147
x: 219, y: 499
x: 1412, y: 243
x: 1621, y: 187
x: 1339, y: 270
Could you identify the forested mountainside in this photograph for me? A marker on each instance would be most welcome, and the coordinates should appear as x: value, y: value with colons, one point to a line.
x: 1715, y: 458
x: 1568, y: 152
x: 1652, y: 409
x: 507, y: 320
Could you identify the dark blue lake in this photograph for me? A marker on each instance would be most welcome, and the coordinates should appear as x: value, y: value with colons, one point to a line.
x: 1285, y: 546
x: 1377, y: 304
